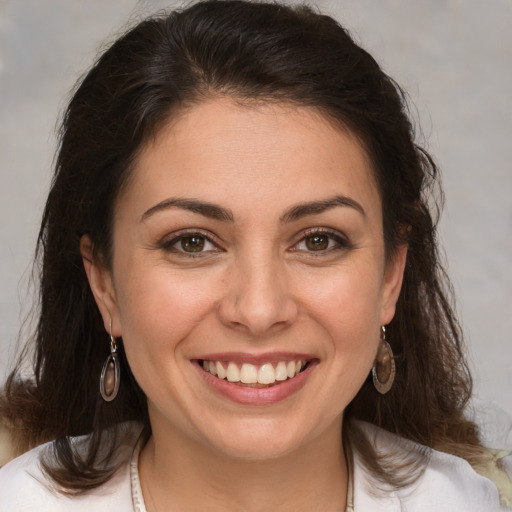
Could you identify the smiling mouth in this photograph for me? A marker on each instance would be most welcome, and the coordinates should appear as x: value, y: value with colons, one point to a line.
x: 254, y: 376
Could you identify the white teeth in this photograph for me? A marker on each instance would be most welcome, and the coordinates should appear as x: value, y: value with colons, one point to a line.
x: 281, y: 373
x: 233, y: 373
x: 221, y: 371
x: 254, y: 374
x: 249, y: 374
x: 266, y: 374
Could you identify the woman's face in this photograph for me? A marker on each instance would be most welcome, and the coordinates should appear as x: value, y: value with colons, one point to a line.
x: 248, y: 245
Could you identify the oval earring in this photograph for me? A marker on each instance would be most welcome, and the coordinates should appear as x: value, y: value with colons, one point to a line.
x: 383, y: 370
x: 111, y: 372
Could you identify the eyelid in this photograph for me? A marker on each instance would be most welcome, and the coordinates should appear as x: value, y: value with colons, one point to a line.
x: 172, y: 238
x: 339, y: 237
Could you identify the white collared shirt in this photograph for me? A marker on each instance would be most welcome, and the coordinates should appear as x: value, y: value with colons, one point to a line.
x: 448, y: 484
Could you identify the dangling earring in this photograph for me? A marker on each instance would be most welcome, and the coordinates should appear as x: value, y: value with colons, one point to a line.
x: 383, y: 369
x: 111, y: 372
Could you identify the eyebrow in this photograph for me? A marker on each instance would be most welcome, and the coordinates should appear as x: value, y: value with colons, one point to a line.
x: 216, y: 212
x: 193, y: 205
x: 316, y: 207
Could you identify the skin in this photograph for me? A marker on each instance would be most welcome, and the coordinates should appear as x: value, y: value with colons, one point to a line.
x: 259, y: 286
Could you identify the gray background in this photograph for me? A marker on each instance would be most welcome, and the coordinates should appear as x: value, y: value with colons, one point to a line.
x: 454, y: 57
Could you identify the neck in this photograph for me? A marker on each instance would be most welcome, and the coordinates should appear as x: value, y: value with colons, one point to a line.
x: 177, y: 474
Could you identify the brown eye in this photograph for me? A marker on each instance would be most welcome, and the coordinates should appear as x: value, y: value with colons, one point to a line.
x: 190, y: 243
x: 317, y: 242
x: 193, y: 243
x: 322, y: 242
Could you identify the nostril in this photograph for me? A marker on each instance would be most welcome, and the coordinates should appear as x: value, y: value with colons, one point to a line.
x: 257, y: 320
x: 258, y: 301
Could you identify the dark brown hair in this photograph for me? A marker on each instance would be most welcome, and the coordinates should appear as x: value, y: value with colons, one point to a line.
x: 250, y: 52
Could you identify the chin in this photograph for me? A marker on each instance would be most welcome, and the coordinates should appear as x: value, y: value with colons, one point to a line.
x: 255, y: 440
x: 255, y: 450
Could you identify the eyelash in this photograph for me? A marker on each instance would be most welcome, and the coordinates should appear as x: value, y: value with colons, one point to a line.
x: 169, y: 244
x: 340, y: 240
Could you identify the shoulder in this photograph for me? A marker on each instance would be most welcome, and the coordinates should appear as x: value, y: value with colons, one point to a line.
x: 25, y: 487
x: 457, y: 485
x: 447, y: 484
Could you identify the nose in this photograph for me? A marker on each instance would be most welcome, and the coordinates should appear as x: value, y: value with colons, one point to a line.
x: 259, y: 300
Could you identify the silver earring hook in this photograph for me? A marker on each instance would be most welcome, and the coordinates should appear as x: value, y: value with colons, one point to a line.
x: 113, y: 345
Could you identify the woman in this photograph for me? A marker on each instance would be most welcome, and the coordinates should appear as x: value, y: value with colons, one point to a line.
x: 240, y: 289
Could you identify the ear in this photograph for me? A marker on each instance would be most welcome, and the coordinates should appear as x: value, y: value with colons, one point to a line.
x: 393, y: 277
x: 102, y: 286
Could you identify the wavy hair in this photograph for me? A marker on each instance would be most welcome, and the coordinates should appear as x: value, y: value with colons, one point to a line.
x: 249, y: 52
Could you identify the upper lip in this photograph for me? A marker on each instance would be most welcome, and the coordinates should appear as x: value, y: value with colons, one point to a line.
x: 256, y: 359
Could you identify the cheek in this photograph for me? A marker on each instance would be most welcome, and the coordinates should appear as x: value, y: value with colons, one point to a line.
x: 348, y: 298
x: 158, y: 309
x: 347, y: 305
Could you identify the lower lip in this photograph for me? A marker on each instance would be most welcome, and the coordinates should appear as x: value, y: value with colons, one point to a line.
x: 257, y: 396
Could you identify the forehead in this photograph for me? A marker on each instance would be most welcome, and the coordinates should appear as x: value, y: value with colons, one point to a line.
x: 220, y: 150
